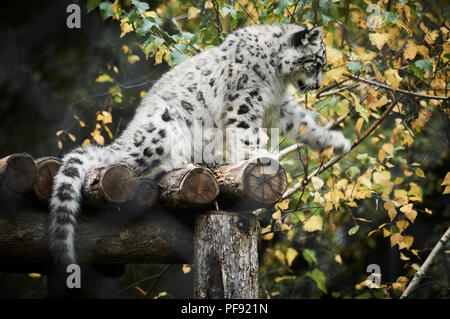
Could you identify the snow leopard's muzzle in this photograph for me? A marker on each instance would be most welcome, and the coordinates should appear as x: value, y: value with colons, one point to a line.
x: 305, y: 87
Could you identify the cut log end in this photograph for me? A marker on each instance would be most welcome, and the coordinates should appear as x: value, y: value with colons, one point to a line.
x: 199, y: 186
x: 113, y: 183
x: 18, y: 172
x: 118, y: 183
x: 47, y: 169
x: 265, y: 180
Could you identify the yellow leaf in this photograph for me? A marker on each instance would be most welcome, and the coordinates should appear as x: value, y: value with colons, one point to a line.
x: 402, y: 225
x: 132, y: 59
x: 193, y: 12
x: 313, y: 223
x: 276, y: 215
x: 317, y: 182
x: 58, y: 133
x: 419, y: 172
x: 72, y: 137
x: 428, y: 211
x: 186, y: 268
x: 372, y: 232
x: 390, y: 207
x: 393, y: 78
x: 396, y: 239
x: 86, y: 142
x: 403, y: 257
x: 379, y: 39
x: 34, y: 275
x: 358, y: 126
x: 103, y: 78
x: 334, y: 56
x: 338, y: 259
x: 409, y: 212
x: 388, y: 148
x: 59, y: 144
x: 291, y: 254
x: 446, y: 190
x: 381, y: 155
x: 406, y: 242
x: 446, y: 180
x: 284, y: 204
x: 125, y: 26
x: 107, y: 117
x: 100, y: 140
x: 386, y: 233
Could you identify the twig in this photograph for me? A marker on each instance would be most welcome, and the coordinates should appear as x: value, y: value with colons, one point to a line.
x: 424, y: 268
x: 385, y: 86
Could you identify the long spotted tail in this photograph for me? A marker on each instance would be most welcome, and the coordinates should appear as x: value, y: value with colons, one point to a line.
x: 65, y: 202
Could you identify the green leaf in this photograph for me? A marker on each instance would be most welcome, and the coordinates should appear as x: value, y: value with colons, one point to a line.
x: 425, y: 64
x: 355, y: 67
x: 319, y: 278
x: 106, y: 10
x: 92, y: 4
x: 140, y: 6
x: 104, y: 78
x: 353, y: 230
x: 353, y: 172
x: 145, y: 27
x: 310, y: 256
x: 178, y: 55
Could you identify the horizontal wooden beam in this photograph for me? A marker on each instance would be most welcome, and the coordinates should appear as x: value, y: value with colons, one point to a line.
x: 109, y: 237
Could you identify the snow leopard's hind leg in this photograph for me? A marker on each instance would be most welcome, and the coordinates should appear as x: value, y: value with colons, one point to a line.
x: 66, y: 198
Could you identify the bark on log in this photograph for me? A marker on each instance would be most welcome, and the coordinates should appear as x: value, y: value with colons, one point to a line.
x: 114, y: 183
x: 263, y: 180
x: 226, y: 255
x: 47, y: 169
x: 158, y: 237
x: 147, y: 192
x: 188, y: 186
x: 18, y: 173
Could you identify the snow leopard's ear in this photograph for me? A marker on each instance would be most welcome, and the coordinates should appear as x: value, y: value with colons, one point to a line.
x: 306, y: 37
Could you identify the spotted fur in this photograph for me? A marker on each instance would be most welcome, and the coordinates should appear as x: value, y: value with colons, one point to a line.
x: 240, y: 86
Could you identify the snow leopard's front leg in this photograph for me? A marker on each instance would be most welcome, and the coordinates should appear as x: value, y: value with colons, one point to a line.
x: 297, y: 124
x: 243, y: 119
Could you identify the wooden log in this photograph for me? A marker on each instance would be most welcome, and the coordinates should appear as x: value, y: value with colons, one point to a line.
x: 113, y: 183
x: 188, y: 186
x: 147, y: 192
x: 47, y: 169
x: 159, y: 237
x: 18, y: 173
x: 226, y: 255
x: 262, y: 180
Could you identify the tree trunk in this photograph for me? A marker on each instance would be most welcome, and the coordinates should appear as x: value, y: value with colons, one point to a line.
x: 47, y: 169
x: 18, y: 174
x: 188, y: 186
x: 113, y: 183
x: 263, y: 181
x: 226, y: 255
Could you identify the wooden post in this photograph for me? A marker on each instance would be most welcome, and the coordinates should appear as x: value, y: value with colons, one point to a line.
x: 147, y: 192
x: 226, y: 255
x: 18, y: 173
x: 47, y: 169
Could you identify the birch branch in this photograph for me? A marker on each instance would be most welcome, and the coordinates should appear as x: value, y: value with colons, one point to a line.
x: 424, y: 268
x: 388, y: 87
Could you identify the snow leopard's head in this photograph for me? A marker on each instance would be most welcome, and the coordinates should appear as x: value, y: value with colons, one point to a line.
x: 304, y: 58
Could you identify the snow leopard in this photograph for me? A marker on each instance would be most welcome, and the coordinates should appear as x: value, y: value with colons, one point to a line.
x: 239, y: 86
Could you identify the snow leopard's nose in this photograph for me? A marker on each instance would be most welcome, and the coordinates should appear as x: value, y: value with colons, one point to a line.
x: 316, y: 85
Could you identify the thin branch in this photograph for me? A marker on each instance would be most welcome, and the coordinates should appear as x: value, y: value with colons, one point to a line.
x: 424, y: 268
x: 385, y: 86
